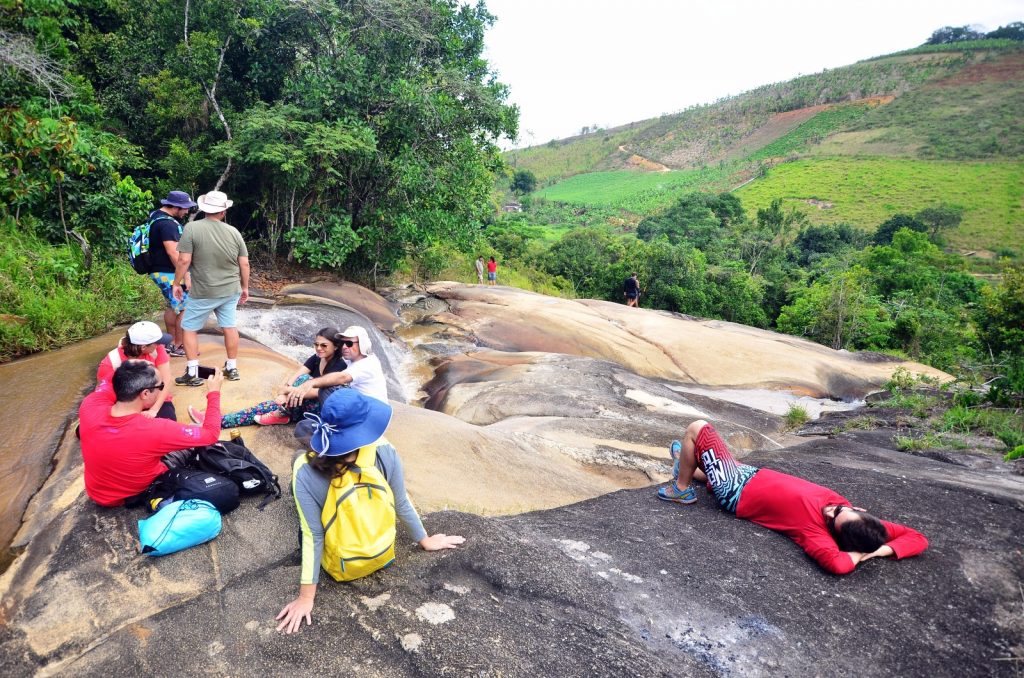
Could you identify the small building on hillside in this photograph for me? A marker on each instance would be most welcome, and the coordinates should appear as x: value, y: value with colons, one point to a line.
x: 512, y: 206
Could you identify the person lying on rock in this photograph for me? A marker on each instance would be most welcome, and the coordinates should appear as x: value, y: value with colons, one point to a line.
x: 363, y: 371
x: 351, y: 427
x: 124, y: 451
x: 284, y: 409
x: 822, y: 522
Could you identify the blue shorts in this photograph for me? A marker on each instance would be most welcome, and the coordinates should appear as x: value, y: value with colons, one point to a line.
x: 198, y: 310
x: 492, y: 276
x: 164, y: 281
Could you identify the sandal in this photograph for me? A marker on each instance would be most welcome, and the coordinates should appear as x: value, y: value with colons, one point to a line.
x: 674, y: 451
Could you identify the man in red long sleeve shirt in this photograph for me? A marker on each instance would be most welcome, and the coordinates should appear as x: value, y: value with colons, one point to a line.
x: 122, y: 450
x: 822, y: 522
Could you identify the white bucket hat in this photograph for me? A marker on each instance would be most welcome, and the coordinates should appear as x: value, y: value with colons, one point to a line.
x: 214, y: 202
x: 362, y: 335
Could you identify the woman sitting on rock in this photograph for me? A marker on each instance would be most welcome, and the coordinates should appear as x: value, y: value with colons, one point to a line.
x: 143, y: 341
x: 822, y: 522
x: 350, y: 431
x: 363, y: 372
x: 284, y: 408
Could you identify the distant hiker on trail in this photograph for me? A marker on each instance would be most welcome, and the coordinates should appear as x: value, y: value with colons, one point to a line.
x: 143, y: 341
x: 362, y: 372
x: 631, y: 290
x: 480, y: 269
x: 835, y: 534
x: 123, y: 451
x: 214, y: 254
x: 164, y: 234
x: 347, y: 444
x: 326, y: 359
x: 492, y: 272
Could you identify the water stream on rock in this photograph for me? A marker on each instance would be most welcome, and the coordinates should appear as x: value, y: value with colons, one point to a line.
x: 773, y: 402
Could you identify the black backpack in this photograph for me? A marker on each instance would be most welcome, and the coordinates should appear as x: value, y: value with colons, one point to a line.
x: 190, y: 483
x: 232, y: 459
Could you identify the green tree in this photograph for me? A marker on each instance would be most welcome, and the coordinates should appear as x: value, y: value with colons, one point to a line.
x: 885, y: 231
x: 940, y: 218
x: 523, y: 181
x: 1000, y: 317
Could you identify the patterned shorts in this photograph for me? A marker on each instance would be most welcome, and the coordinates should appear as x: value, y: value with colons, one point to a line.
x: 726, y: 476
x: 165, y: 281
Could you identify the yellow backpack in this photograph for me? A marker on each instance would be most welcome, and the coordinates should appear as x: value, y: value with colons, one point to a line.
x: 359, y: 520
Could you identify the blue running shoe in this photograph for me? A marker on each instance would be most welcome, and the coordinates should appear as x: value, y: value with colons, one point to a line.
x: 670, y: 493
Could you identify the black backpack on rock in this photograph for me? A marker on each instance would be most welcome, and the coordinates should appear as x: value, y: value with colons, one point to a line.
x: 190, y: 483
x: 232, y: 459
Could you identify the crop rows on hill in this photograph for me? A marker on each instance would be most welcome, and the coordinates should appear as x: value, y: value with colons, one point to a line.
x: 867, y: 191
x: 637, y: 192
x: 812, y: 131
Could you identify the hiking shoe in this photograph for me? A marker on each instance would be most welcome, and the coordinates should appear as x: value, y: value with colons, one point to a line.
x: 189, y: 380
x: 272, y: 419
x: 197, y: 416
x: 232, y: 374
x: 176, y: 351
x: 670, y: 493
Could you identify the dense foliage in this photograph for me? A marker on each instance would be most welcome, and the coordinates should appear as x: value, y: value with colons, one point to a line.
x: 350, y: 135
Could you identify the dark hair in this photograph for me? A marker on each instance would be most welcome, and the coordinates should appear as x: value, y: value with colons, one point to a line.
x: 332, y: 467
x: 131, y: 350
x: 332, y: 335
x: 492, y: 258
x: 132, y: 378
x: 864, y: 535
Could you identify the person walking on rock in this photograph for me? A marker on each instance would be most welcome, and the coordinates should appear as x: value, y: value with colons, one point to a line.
x: 164, y: 233
x: 631, y: 290
x: 492, y: 272
x: 837, y: 535
x: 213, y: 252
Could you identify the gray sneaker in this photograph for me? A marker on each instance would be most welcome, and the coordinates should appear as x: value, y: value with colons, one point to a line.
x: 189, y: 380
x: 232, y: 374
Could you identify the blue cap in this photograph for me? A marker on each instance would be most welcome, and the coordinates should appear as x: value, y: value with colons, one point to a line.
x: 178, y: 199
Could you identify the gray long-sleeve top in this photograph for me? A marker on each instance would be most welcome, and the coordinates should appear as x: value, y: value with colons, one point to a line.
x: 310, y: 487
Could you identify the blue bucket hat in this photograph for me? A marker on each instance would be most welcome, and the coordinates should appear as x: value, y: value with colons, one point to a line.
x: 348, y: 420
x: 178, y: 199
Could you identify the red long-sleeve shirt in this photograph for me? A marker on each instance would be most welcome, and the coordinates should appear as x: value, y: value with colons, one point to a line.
x: 122, y: 454
x: 792, y: 506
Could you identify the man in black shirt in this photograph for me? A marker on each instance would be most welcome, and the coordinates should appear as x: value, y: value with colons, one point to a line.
x: 631, y: 290
x: 164, y: 233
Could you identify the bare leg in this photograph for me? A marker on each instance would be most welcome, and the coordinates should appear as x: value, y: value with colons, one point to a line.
x: 191, y: 344
x: 231, y: 342
x: 688, y: 470
x: 173, y: 326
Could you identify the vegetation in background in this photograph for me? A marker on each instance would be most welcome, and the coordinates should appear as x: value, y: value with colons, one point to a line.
x: 352, y: 136
x: 867, y: 191
x: 636, y: 192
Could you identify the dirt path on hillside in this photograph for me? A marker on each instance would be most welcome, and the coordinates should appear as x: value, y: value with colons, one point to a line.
x: 643, y: 163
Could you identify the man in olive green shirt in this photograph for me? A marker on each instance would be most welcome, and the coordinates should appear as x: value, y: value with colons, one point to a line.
x: 214, y: 253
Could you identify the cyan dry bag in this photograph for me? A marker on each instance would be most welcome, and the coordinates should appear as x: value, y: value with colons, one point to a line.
x: 177, y: 526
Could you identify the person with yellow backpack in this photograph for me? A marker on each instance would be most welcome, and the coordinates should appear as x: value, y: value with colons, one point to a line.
x: 348, y: 490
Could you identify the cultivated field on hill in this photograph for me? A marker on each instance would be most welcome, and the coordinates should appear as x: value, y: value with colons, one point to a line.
x: 867, y: 191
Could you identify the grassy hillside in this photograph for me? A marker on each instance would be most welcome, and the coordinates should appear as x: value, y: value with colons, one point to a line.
x: 898, y: 133
x: 867, y: 191
x: 637, y: 192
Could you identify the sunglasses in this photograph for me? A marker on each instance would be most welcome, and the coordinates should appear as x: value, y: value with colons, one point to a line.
x: 155, y: 387
x: 319, y: 345
x: 831, y: 520
x: 349, y: 342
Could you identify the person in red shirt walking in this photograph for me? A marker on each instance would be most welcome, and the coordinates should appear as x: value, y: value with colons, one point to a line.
x: 124, y: 451
x: 837, y: 535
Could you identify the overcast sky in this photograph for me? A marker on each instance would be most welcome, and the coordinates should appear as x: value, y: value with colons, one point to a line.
x: 571, y: 63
